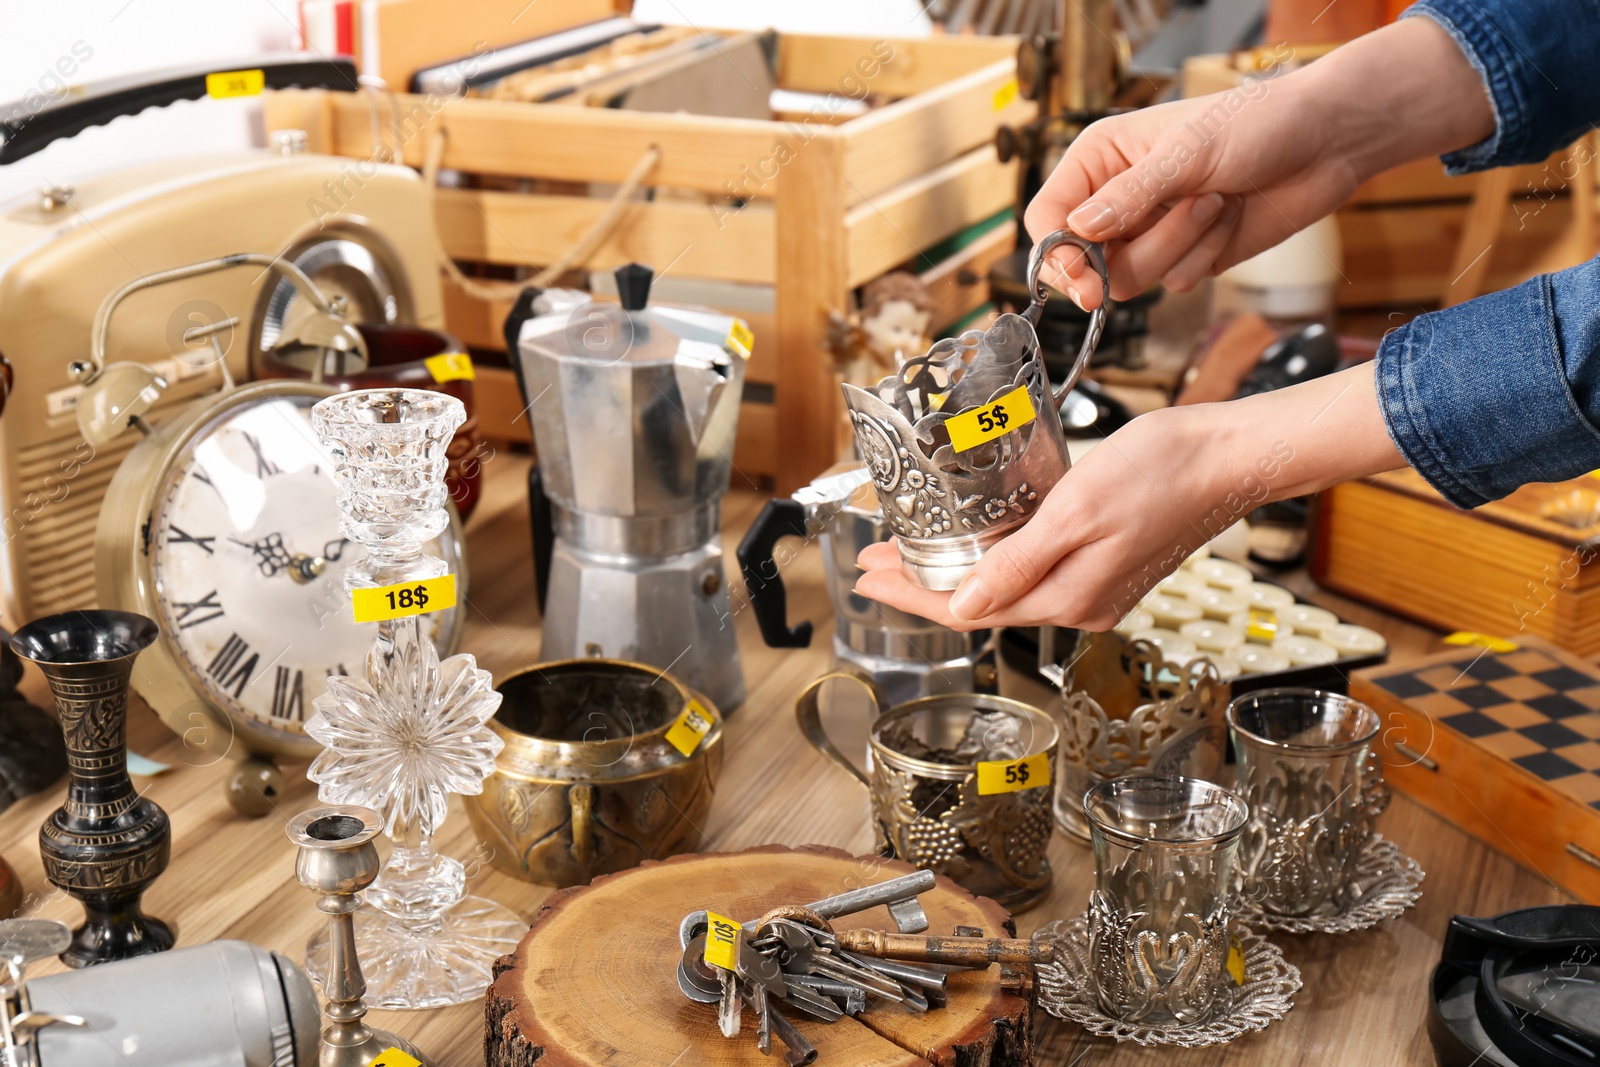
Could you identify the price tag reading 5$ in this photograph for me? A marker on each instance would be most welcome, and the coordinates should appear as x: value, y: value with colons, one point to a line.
x: 407, y: 598
x: 722, y: 945
x: 393, y: 1057
x: 450, y: 366
x: 1011, y: 776
x: 973, y: 428
x: 690, y: 729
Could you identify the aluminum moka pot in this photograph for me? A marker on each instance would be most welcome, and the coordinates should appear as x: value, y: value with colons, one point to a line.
x: 634, y: 411
x: 906, y: 655
x: 964, y: 442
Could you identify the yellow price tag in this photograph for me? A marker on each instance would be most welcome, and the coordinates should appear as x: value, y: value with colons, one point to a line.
x: 1467, y: 638
x: 393, y: 1057
x: 741, y: 339
x: 1010, y: 412
x: 226, y: 83
x: 1011, y: 776
x: 1005, y: 94
x: 691, y: 728
x: 1263, y: 625
x: 1235, y: 961
x: 722, y: 945
x: 450, y: 367
x: 406, y: 598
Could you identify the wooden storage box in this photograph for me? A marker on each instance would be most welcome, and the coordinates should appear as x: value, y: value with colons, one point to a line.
x: 1505, y: 745
x: 1522, y: 565
x: 831, y: 205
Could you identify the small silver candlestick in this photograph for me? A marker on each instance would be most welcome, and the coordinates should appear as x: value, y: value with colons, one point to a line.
x: 338, y: 860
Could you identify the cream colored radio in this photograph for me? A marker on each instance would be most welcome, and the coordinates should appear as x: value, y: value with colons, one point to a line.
x: 64, y: 250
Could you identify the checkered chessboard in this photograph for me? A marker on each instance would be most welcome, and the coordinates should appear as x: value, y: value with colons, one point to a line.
x: 1535, y: 707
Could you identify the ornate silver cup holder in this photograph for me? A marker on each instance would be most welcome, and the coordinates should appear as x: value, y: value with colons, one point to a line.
x: 1386, y: 884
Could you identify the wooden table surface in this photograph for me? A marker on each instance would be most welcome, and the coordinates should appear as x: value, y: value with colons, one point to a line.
x: 231, y: 877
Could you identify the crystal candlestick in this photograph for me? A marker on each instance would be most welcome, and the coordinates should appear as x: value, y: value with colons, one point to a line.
x: 415, y: 729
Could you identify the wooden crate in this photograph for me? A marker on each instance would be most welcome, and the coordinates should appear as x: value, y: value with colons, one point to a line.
x: 1407, y: 233
x: 1513, y: 566
x: 833, y: 204
x: 1504, y: 744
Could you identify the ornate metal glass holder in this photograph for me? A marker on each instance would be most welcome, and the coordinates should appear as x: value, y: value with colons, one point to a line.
x: 415, y: 729
x: 106, y: 844
x: 1127, y: 711
x: 958, y: 455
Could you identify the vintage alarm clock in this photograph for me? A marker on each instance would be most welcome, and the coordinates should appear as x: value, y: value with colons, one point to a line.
x: 221, y: 524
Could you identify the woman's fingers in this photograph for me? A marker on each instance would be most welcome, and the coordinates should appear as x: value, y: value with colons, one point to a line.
x: 1160, y: 248
x: 880, y: 556
x: 891, y: 586
x: 1201, y: 259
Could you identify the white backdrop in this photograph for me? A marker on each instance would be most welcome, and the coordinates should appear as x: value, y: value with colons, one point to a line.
x: 97, y: 39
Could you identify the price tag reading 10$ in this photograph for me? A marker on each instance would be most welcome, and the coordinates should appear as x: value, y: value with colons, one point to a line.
x: 722, y: 948
x: 1011, y: 776
x: 407, y: 598
x: 690, y: 729
x: 1000, y: 416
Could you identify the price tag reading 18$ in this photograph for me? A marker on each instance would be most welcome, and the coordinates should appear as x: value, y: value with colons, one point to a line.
x: 691, y: 728
x: 393, y: 1057
x: 407, y: 598
x: 722, y: 947
x: 973, y: 428
x: 1011, y: 776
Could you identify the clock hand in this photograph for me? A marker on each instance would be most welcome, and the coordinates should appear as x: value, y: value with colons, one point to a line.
x: 270, y: 554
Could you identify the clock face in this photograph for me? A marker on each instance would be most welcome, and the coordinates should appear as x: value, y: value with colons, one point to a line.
x: 248, y: 565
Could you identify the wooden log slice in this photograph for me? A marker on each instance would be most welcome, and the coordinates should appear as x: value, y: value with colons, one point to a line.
x: 594, y: 981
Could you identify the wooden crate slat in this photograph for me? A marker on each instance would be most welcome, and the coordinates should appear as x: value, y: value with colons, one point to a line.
x: 822, y: 64
x: 813, y: 279
x: 896, y: 226
x: 954, y: 301
x: 533, y: 229
x: 400, y: 37
x: 562, y: 143
x: 910, y: 137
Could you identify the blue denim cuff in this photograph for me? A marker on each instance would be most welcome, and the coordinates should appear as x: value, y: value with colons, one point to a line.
x: 1487, y: 50
x: 1476, y: 397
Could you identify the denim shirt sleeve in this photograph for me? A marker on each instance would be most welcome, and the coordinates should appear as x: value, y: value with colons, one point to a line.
x: 1536, y: 57
x: 1500, y: 391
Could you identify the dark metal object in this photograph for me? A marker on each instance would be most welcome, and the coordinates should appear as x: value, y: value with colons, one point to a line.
x: 1536, y: 1022
x: 32, y: 755
x: 1307, y: 353
x: 98, y: 103
x: 106, y: 844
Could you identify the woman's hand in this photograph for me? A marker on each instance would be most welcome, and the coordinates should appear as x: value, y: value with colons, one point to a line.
x: 1148, y: 496
x: 1186, y: 189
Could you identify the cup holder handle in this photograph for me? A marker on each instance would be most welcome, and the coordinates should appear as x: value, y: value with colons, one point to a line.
x: 808, y: 712
x: 1039, y: 292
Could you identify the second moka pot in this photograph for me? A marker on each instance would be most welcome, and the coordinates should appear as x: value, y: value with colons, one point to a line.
x: 634, y: 410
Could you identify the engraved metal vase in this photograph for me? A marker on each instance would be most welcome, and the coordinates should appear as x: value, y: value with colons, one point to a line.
x: 1125, y: 710
x: 1315, y: 790
x: 106, y: 844
x: 588, y: 783
x: 948, y: 500
x: 923, y: 780
x: 1164, y: 849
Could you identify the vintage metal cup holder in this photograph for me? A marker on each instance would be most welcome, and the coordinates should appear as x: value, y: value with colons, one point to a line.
x: 964, y: 441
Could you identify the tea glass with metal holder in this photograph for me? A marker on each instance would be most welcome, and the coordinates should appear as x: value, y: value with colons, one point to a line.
x: 959, y: 783
x: 1310, y: 858
x: 964, y: 441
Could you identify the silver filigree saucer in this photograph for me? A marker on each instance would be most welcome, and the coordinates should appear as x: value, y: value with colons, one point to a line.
x: 1066, y: 991
x: 1387, y: 883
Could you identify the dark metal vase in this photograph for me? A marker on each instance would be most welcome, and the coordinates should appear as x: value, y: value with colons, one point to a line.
x: 106, y: 844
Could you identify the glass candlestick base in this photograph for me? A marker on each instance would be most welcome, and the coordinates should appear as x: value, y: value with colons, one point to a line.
x: 451, y: 964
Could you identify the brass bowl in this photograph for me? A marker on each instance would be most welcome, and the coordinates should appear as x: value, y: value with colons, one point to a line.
x: 588, y: 783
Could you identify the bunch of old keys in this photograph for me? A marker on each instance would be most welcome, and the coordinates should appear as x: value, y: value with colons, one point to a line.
x: 793, y: 954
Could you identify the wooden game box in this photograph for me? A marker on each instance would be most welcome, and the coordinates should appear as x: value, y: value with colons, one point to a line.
x: 1505, y: 745
x: 1527, y: 564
